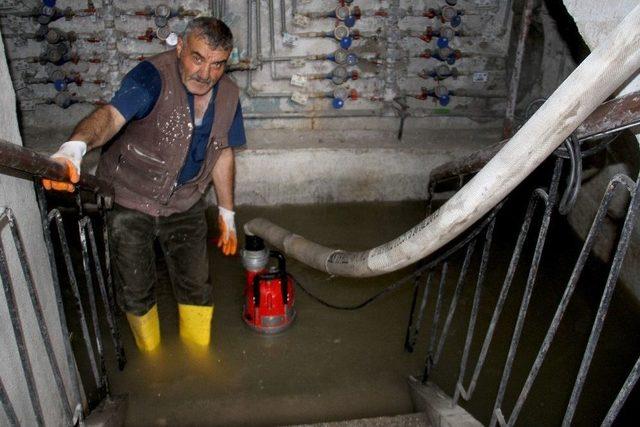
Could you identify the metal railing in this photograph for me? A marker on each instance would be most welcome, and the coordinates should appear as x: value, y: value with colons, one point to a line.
x: 610, y: 117
x: 546, y: 199
x: 93, y: 253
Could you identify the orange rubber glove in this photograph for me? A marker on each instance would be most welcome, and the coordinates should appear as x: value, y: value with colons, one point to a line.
x: 70, y: 155
x: 228, y: 241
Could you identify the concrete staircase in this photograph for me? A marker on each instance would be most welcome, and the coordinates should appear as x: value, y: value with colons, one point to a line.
x: 436, y: 406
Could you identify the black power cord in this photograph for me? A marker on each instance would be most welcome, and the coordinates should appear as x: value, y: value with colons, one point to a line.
x: 393, y: 287
x: 574, y: 180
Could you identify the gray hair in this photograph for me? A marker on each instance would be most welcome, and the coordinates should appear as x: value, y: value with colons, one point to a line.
x: 215, y: 32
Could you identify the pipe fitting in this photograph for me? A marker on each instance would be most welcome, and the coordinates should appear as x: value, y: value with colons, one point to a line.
x: 439, y: 73
x: 63, y: 100
x: 55, y: 36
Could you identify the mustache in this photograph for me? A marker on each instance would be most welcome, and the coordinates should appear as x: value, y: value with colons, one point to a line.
x: 199, y: 80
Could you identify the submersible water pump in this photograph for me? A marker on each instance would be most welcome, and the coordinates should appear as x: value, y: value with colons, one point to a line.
x: 269, y: 291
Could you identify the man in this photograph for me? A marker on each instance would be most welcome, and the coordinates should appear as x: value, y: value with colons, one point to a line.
x: 182, y: 119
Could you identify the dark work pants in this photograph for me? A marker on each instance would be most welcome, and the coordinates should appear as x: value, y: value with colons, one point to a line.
x: 183, y: 239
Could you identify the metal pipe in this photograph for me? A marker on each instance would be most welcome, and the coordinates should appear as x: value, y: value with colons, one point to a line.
x: 29, y: 161
x: 259, y: 30
x: 272, y: 38
x: 505, y: 20
x: 313, y: 115
x: 213, y: 8
x: 293, y: 57
x: 247, y: 88
x: 250, y: 30
x: 283, y: 18
x: 416, y: 113
x: 527, y: 15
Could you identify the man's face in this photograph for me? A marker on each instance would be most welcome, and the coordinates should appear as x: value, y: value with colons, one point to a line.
x: 201, y: 66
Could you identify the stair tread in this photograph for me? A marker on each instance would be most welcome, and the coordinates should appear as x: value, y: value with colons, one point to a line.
x: 405, y: 420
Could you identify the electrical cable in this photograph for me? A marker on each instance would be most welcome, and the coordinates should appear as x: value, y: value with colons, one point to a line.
x: 574, y: 180
x: 422, y: 270
x: 394, y: 286
x: 563, y: 152
x: 573, y: 151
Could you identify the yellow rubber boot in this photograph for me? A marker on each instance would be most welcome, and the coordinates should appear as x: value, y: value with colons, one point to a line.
x: 146, y: 329
x: 195, y: 323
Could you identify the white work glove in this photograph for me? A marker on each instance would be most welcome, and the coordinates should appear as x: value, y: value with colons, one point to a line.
x: 70, y: 154
x: 228, y: 241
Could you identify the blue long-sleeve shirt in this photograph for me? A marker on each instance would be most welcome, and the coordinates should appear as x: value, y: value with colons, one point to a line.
x: 138, y: 94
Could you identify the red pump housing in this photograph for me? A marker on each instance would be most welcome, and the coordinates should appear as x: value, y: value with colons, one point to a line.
x: 269, y: 298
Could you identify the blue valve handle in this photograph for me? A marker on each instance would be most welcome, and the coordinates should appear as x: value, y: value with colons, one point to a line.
x: 345, y: 42
x: 60, y: 85
x: 442, y: 42
x: 337, y: 103
x: 350, y: 21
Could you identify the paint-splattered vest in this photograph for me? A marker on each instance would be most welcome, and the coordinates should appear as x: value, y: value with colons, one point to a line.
x: 143, y: 162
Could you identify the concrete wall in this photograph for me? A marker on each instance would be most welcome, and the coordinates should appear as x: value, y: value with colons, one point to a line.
x: 595, y: 19
x: 108, y: 46
x: 18, y: 195
x: 293, y: 149
x: 547, y: 59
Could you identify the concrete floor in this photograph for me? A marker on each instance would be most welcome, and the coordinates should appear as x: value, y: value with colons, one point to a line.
x: 331, y: 365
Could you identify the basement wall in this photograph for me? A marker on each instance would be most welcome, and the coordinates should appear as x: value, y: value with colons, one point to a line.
x: 18, y: 194
x: 295, y: 135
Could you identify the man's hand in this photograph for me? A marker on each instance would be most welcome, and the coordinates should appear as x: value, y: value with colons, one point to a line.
x: 228, y: 241
x: 70, y: 155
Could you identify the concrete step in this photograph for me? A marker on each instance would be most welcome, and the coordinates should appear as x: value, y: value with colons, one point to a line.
x: 406, y: 420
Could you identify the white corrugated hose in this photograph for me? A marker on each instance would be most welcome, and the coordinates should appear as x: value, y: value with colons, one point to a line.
x: 597, y: 77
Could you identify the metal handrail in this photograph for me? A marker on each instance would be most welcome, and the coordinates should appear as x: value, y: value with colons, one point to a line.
x: 610, y: 117
x: 547, y: 198
x: 31, y: 162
